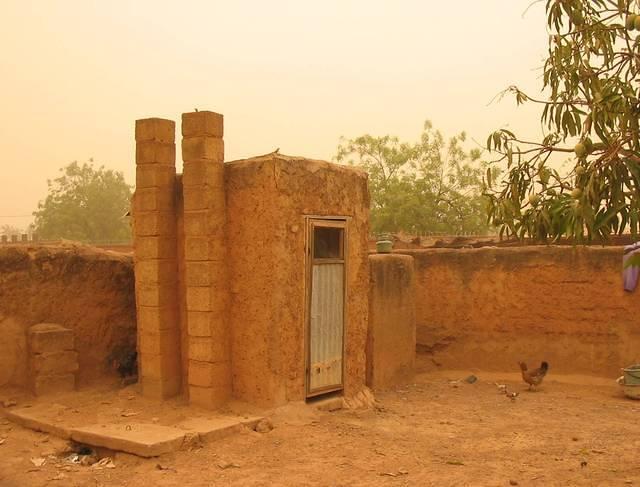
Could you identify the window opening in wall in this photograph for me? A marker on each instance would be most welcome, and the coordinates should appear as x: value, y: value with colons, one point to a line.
x: 328, y: 243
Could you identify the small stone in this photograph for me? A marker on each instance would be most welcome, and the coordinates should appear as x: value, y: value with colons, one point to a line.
x: 513, y: 482
x: 38, y: 462
x: 192, y: 441
x: 264, y: 426
x: 128, y: 414
x: 7, y: 403
x: 225, y: 465
x: 87, y: 460
x: 105, y: 462
x: 471, y: 379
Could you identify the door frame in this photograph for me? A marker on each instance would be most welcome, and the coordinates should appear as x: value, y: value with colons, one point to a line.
x: 310, y: 222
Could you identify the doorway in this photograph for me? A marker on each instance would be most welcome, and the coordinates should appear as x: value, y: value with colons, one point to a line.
x: 326, y: 278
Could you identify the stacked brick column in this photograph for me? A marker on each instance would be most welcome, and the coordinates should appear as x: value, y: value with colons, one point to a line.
x: 209, y: 368
x: 53, y: 360
x: 154, y: 224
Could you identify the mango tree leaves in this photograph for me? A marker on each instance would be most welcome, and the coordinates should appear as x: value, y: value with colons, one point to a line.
x: 591, y: 117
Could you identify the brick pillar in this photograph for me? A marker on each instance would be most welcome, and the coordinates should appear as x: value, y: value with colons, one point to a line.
x: 154, y: 229
x: 209, y: 369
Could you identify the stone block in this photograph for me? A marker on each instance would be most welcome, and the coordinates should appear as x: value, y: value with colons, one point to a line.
x: 196, y: 198
x: 54, y: 363
x: 199, y: 323
x: 197, y: 148
x: 204, y: 248
x: 160, y: 271
x: 194, y: 173
x: 49, y: 337
x: 206, y: 374
x: 49, y: 384
x: 205, y: 223
x: 153, y: 153
x: 152, y: 319
x: 155, y: 129
x: 163, y: 342
x: 202, y: 123
x: 156, y: 176
x: 204, y: 172
x: 200, y: 273
x: 209, y: 397
x: 155, y: 247
x: 164, y: 368
x: 154, y: 223
x: 160, y: 389
x: 155, y: 294
x: 209, y: 349
x: 195, y: 223
x: 200, y: 299
x: 216, y: 221
x: 154, y: 199
x: 203, y: 197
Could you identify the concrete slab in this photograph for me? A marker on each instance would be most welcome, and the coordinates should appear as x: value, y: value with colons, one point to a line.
x: 140, y: 438
x: 32, y: 418
x: 144, y: 440
x: 211, y: 429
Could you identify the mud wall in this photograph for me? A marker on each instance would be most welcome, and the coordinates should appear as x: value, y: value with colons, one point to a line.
x: 391, y: 340
x: 267, y: 200
x: 488, y: 308
x: 88, y: 290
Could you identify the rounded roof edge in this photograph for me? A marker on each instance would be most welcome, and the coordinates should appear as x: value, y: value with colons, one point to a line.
x: 297, y: 160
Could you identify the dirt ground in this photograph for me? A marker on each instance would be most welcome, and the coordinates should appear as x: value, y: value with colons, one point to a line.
x: 573, y: 431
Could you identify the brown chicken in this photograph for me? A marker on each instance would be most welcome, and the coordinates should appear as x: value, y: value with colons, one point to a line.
x: 534, y: 377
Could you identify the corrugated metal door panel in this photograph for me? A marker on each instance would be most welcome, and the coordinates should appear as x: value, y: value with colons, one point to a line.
x: 326, y: 327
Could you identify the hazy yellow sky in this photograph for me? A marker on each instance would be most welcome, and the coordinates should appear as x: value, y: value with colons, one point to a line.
x: 76, y: 74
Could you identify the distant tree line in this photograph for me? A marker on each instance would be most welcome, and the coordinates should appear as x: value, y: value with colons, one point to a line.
x: 429, y: 186
x: 86, y: 203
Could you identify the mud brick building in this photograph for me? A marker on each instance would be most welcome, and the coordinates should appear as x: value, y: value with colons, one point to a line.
x: 251, y: 276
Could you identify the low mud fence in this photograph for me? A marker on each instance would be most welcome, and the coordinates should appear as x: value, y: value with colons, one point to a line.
x: 488, y: 308
x: 85, y: 289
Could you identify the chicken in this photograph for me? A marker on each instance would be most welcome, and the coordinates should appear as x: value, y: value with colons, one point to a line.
x: 123, y: 360
x: 533, y: 377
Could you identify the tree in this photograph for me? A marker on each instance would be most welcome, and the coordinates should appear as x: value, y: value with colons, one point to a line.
x: 427, y: 186
x: 591, y: 116
x: 85, y: 204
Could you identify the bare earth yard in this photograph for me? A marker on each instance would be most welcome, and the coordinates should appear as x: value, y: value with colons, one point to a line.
x: 574, y: 431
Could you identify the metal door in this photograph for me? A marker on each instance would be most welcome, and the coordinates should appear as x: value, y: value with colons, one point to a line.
x: 326, y: 305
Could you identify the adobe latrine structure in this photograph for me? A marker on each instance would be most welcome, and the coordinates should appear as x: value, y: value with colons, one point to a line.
x: 251, y: 276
